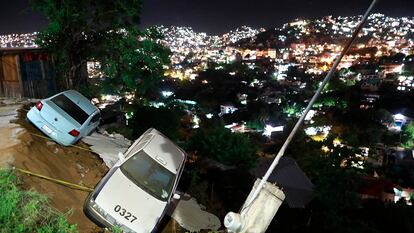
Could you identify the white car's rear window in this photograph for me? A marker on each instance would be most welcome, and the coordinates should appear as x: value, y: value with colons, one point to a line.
x: 70, y: 108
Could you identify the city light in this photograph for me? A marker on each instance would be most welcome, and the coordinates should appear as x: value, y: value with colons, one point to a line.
x: 268, y: 130
x: 198, y: 48
x: 167, y: 94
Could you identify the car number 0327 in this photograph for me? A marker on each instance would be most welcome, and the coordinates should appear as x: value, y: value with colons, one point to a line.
x: 124, y: 213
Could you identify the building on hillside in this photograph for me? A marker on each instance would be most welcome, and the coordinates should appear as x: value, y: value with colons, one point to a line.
x: 271, y: 53
x: 227, y: 109
x: 368, y: 100
x: 377, y: 188
x: 370, y: 83
x: 26, y: 72
x: 390, y: 68
x: 402, y: 116
x: 405, y: 195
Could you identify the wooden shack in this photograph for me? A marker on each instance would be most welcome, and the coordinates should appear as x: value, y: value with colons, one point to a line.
x: 26, y: 72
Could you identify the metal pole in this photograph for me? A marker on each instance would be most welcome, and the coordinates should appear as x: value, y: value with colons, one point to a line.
x: 317, y: 94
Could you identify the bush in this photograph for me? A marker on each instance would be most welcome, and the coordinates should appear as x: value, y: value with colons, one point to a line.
x: 165, y: 120
x: 225, y: 147
x: 27, y: 211
x: 407, y: 136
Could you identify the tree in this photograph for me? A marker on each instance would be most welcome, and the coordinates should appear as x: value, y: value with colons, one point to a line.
x: 336, y: 84
x: 383, y: 116
x: 163, y: 119
x: 292, y: 110
x: 227, y: 148
x: 133, y: 66
x: 336, y: 183
x: 407, y: 136
x: 104, y: 31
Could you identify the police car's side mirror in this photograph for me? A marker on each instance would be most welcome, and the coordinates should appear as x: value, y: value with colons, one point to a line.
x: 176, y: 196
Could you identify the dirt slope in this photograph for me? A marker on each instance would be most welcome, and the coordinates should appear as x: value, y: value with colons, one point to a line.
x: 45, y: 157
x: 25, y: 147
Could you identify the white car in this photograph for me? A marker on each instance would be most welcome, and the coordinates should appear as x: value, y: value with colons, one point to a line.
x: 137, y: 190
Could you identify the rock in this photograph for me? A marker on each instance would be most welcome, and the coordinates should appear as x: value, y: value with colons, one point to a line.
x: 189, y: 215
x: 6, y: 160
x: 80, y: 167
x: 50, y: 143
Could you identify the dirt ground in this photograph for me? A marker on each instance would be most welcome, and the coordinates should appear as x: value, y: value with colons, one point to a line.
x: 29, y: 151
x: 71, y: 164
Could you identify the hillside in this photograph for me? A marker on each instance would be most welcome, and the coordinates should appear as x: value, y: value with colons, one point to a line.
x: 379, y: 29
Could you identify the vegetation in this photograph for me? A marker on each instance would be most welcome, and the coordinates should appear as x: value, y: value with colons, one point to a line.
x: 115, y: 229
x: 407, y: 136
x: 383, y: 116
x: 336, y: 205
x: 27, y: 211
x: 135, y: 63
x: 227, y: 148
x: 165, y: 120
x: 103, y: 31
x: 336, y: 184
x: 293, y: 110
x: 132, y: 62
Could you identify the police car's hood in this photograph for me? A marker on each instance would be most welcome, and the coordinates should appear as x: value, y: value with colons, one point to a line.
x: 120, y: 197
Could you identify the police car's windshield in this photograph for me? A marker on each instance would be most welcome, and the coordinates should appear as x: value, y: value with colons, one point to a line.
x: 149, y: 175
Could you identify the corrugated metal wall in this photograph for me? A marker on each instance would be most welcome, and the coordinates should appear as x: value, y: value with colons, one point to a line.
x: 10, y: 76
x: 26, y: 74
x: 37, y: 75
x: 1, y: 78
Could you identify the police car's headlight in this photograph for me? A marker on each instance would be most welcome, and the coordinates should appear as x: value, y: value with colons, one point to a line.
x: 108, y: 217
x: 96, y: 207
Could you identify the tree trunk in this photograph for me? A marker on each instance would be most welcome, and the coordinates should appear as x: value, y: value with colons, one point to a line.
x: 77, y: 76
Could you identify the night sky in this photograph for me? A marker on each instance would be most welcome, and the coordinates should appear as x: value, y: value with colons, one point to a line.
x: 215, y: 16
